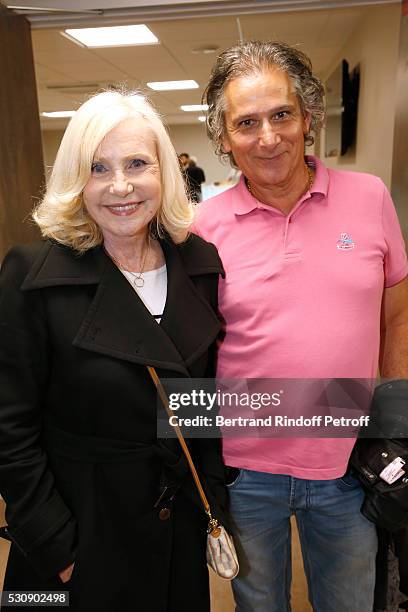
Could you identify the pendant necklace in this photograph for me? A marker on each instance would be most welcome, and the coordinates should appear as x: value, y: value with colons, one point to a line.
x: 137, y: 277
x: 310, y: 178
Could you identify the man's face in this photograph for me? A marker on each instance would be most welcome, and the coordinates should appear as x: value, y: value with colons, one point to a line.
x: 265, y: 128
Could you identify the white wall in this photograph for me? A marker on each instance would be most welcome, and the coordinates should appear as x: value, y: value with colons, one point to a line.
x: 374, y: 44
x: 191, y: 139
x: 50, y: 141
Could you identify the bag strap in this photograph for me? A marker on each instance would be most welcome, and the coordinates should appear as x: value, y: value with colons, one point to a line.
x: 213, y: 523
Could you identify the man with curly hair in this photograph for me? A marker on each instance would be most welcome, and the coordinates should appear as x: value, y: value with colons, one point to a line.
x: 315, y: 284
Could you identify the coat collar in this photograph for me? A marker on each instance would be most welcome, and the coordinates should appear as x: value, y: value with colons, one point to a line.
x: 117, y: 322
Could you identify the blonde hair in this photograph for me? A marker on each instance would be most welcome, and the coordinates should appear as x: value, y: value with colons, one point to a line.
x: 62, y: 215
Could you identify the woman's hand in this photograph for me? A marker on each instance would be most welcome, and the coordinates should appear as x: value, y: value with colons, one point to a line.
x: 66, y: 574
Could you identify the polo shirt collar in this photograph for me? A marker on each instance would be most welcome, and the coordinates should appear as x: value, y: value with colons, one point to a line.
x: 245, y: 203
x: 321, y: 180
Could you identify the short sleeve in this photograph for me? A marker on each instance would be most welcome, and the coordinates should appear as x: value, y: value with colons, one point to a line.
x: 395, y: 260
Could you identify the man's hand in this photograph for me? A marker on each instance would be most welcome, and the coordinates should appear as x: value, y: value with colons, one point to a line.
x: 66, y: 574
x: 394, y: 332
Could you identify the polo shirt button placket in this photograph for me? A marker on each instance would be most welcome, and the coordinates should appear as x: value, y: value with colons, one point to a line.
x: 287, y: 221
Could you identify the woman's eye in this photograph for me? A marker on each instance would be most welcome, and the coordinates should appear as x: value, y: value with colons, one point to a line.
x: 137, y: 163
x: 98, y: 168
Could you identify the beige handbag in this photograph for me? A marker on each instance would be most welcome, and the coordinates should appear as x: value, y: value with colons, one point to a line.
x: 221, y: 553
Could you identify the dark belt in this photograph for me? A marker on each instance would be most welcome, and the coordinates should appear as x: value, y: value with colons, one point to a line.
x: 95, y: 449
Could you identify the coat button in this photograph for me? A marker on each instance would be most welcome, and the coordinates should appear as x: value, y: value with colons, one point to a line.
x: 164, y: 514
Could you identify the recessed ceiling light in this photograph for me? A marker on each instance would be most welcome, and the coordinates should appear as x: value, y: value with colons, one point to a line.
x: 117, y: 36
x: 59, y: 114
x: 170, y: 85
x: 201, y: 118
x: 194, y: 107
x: 205, y: 49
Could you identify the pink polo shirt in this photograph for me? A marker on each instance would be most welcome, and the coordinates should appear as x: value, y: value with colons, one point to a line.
x: 302, y: 298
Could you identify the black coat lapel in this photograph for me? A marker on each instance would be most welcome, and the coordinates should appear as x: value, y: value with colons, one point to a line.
x: 188, y: 319
x: 118, y: 324
x: 58, y: 265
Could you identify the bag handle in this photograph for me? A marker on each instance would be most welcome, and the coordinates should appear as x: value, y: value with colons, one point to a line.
x: 213, y: 527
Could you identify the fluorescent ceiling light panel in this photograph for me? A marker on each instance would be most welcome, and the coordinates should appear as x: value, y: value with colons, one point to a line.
x: 58, y: 114
x: 172, y: 85
x: 194, y: 107
x: 201, y: 118
x: 119, y: 36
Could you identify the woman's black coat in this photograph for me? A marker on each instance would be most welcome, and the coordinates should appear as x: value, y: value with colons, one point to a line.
x: 80, y: 465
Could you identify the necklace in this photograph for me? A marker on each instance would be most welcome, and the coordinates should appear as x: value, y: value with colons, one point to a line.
x: 310, y: 178
x: 137, y: 277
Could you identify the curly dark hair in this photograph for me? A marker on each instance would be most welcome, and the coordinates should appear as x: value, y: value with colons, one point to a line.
x: 253, y: 57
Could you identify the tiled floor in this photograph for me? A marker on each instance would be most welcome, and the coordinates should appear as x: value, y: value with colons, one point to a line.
x: 221, y: 596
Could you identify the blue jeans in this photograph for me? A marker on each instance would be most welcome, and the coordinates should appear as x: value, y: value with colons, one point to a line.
x: 339, y: 545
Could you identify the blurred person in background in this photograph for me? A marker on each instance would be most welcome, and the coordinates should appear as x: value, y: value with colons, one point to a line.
x: 184, y: 160
x: 195, y: 177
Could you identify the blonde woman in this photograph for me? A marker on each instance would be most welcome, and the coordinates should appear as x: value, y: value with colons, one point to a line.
x: 95, y: 504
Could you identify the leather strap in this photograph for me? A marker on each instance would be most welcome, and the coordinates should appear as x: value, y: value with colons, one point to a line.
x: 163, y: 396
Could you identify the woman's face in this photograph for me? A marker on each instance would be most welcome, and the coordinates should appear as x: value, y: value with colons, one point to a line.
x: 123, y: 193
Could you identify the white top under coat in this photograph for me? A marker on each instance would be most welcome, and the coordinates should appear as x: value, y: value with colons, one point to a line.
x: 154, y: 291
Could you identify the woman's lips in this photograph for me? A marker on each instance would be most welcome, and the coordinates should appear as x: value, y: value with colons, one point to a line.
x: 124, y: 210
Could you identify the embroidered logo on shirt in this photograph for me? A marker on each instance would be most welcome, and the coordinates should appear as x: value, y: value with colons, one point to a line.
x: 345, y: 243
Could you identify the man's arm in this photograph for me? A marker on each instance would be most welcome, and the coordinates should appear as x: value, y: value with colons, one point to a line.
x: 394, y: 332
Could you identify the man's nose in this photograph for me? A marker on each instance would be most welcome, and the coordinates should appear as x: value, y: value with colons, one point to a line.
x: 268, y: 135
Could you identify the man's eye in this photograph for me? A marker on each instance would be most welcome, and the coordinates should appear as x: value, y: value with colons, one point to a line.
x: 246, y: 123
x: 98, y: 168
x: 137, y: 163
x: 282, y: 115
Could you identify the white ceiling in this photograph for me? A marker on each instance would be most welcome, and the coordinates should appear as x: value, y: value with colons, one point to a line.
x: 67, y: 73
x: 76, y: 5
